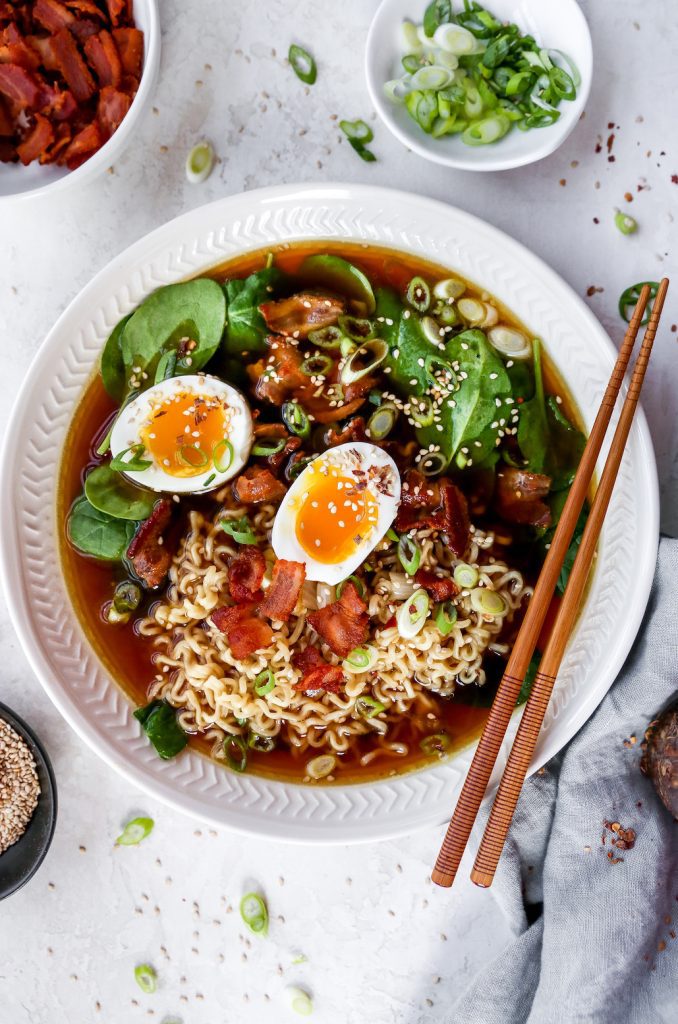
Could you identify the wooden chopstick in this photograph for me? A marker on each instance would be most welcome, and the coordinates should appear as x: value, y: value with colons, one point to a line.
x: 475, y: 784
x: 526, y: 738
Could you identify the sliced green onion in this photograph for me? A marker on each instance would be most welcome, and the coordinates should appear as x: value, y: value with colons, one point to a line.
x: 254, y: 912
x: 269, y: 447
x: 446, y: 617
x: 488, y: 602
x: 295, y: 419
x: 411, y: 62
x: 199, y: 163
x: 392, y: 535
x: 356, y: 368
x: 166, y: 366
x: 297, y: 467
x: 409, y: 554
x: 355, y: 580
x: 223, y: 455
x: 433, y: 464
x: 431, y: 77
x: 465, y: 576
x: 135, y: 463
x: 365, y: 154
x: 235, y: 752
x: 326, y: 337
x: 412, y: 614
x: 316, y: 365
x: 482, y: 133
x: 571, y: 66
x: 381, y: 422
x: 472, y: 310
x: 264, y: 683
x: 629, y: 297
x: 321, y: 767
x: 437, y: 13
x: 198, y: 458
x: 510, y: 343
x: 264, y: 744
x: 127, y: 596
x: 303, y: 64
x: 430, y: 329
x: 368, y: 707
x: 357, y: 328
x: 449, y: 288
x: 239, y: 529
x: 562, y: 84
x: 360, y: 659
x: 357, y: 131
x: 627, y: 225
x: 440, y: 371
x: 418, y: 294
x: 299, y: 1001
x: 438, y: 743
x: 421, y: 410
x: 146, y: 978
x: 135, y: 831
x: 115, y: 617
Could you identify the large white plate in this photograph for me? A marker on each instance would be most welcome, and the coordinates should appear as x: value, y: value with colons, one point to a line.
x: 51, y: 636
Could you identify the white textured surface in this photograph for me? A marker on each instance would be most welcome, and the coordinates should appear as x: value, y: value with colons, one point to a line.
x: 364, y: 963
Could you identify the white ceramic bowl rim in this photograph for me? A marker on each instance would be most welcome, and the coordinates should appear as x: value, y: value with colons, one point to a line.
x: 53, y: 639
x: 147, y: 17
x: 517, y: 149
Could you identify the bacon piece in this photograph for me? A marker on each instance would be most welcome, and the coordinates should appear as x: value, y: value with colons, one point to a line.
x: 43, y: 47
x: 82, y: 146
x: 149, y: 555
x: 278, y: 376
x: 323, y: 412
x: 244, y: 632
x: 34, y: 145
x: 441, y: 588
x: 300, y: 314
x: 6, y: 123
x: 86, y: 7
x: 258, y: 484
x: 353, y: 431
x: 62, y: 140
x: 245, y: 575
x: 58, y: 104
x: 130, y: 44
x: 344, y: 624
x: 112, y: 108
x: 438, y: 505
x: 317, y: 674
x: 20, y: 53
x: 103, y: 57
x: 116, y: 10
x: 72, y: 66
x: 518, y: 497
x: 292, y: 444
x: 84, y: 28
x: 52, y: 15
x: 282, y: 595
x: 19, y: 85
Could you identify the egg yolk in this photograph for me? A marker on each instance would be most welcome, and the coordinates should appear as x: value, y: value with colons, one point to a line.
x: 334, y: 517
x: 182, y: 433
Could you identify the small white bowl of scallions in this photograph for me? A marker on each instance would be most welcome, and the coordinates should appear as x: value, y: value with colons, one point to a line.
x: 480, y: 88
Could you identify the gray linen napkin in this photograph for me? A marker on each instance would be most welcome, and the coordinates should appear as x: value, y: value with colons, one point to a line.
x: 602, y: 944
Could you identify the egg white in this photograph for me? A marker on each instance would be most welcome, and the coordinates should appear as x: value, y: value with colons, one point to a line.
x: 134, y: 416
x: 284, y: 538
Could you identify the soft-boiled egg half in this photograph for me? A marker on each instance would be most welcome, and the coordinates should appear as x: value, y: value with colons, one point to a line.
x: 192, y: 434
x: 337, y: 510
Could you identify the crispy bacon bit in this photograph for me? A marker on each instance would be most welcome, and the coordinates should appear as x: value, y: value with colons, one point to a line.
x: 282, y: 595
x: 72, y: 66
x: 58, y: 104
x: 319, y: 406
x: 344, y: 624
x: 441, y: 588
x: 82, y: 146
x: 103, y: 57
x: 130, y: 44
x: 278, y: 376
x: 300, y: 314
x: 353, y: 431
x: 317, y: 674
x: 258, y: 484
x: 113, y: 105
x: 116, y: 9
x: 19, y: 53
x: 292, y: 444
x: 52, y: 15
x: 438, y: 505
x: 86, y: 7
x: 37, y: 142
x: 6, y: 126
x: 519, y: 494
x: 246, y: 574
x: 244, y: 632
x: 149, y: 555
x: 19, y: 85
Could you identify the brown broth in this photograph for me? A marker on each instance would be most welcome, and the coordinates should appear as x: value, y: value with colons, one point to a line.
x: 128, y: 657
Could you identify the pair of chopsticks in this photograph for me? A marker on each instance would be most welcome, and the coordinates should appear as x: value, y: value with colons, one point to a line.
x: 476, y: 782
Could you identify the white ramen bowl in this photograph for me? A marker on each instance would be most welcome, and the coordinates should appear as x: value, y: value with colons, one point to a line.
x: 19, y: 182
x: 50, y: 633
x: 556, y: 24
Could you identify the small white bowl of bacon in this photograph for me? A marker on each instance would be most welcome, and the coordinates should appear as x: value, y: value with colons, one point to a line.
x: 75, y: 78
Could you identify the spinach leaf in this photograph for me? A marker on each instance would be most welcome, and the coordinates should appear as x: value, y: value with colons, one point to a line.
x: 112, y: 364
x: 110, y: 493
x: 526, y: 688
x: 483, y: 381
x: 192, y: 309
x: 571, y: 552
x: 159, y: 722
x: 403, y: 335
x: 522, y: 379
x: 98, y: 534
x: 533, y: 427
x: 245, y: 327
x: 565, y: 448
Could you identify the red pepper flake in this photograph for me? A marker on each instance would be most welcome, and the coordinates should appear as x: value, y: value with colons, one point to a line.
x: 674, y: 328
x: 596, y: 221
x: 674, y: 179
x: 611, y: 159
x: 563, y: 181
x: 599, y: 145
x: 593, y: 289
x: 672, y: 934
x: 610, y: 124
x: 610, y: 139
